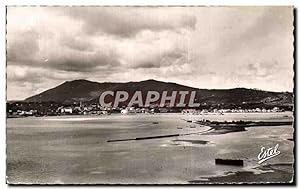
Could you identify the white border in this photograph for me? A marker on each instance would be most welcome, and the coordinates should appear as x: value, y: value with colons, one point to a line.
x: 151, y: 2
x: 113, y: 2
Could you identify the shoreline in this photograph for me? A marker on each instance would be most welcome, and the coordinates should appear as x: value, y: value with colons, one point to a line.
x: 269, y: 173
x: 170, y: 113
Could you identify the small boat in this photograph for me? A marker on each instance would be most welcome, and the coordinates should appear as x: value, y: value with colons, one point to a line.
x: 229, y: 162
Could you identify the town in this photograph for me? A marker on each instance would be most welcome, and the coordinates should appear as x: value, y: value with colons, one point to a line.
x: 38, y: 109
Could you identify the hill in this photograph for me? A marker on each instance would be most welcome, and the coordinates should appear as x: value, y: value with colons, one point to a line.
x: 88, y: 91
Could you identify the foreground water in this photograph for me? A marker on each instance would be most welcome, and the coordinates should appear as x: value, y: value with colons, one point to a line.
x: 74, y: 149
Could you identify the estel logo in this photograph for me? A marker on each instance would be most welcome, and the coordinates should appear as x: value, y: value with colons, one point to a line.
x: 267, y: 153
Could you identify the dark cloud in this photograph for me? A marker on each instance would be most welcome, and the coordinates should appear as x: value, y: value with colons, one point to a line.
x: 69, y: 54
x: 127, y: 22
x: 82, y: 61
x: 22, y: 47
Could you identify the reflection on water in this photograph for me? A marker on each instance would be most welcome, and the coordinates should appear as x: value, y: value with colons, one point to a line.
x: 75, y: 149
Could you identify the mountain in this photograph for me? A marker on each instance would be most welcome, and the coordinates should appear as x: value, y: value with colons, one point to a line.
x: 88, y: 91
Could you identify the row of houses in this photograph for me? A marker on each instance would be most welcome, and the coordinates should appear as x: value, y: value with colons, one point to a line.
x: 23, y: 109
x: 220, y: 111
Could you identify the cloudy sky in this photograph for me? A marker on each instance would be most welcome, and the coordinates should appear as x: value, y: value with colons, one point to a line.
x: 219, y: 47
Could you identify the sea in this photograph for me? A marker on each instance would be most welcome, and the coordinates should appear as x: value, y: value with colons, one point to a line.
x: 78, y: 149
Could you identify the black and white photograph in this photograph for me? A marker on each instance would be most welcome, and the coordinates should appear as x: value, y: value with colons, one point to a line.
x: 150, y: 95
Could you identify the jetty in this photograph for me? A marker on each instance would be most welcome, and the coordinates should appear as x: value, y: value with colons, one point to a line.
x: 242, y: 123
x: 145, y: 138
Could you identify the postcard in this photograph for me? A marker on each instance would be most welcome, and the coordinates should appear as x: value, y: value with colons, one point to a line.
x: 150, y: 95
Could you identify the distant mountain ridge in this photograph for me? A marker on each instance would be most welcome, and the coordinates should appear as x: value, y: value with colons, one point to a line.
x: 88, y: 91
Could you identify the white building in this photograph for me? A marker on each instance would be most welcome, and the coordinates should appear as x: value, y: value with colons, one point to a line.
x: 66, y: 110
